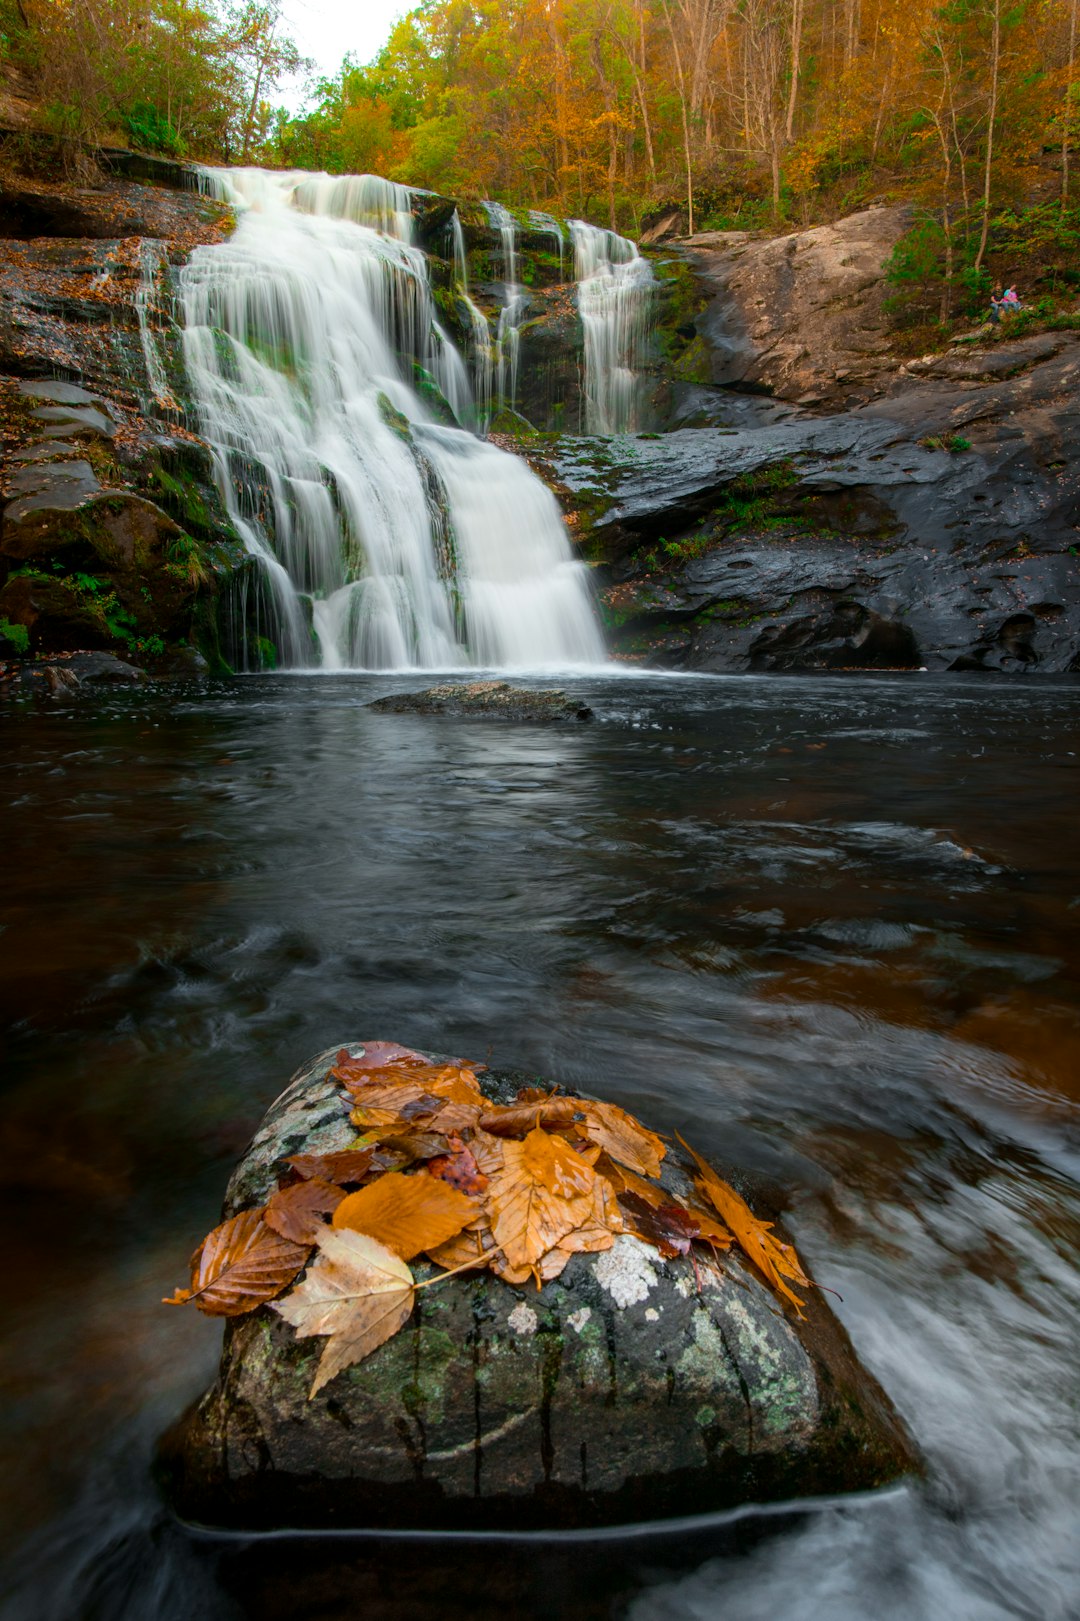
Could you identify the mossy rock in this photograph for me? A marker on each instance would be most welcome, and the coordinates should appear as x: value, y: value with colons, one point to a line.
x: 630, y: 1388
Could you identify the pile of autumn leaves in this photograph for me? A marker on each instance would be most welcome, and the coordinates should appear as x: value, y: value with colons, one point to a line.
x: 439, y: 1171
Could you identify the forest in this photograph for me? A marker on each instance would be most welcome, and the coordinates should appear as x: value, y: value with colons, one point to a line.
x: 742, y: 113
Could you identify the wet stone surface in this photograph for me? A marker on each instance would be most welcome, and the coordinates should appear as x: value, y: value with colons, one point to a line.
x: 488, y: 700
x: 629, y: 1388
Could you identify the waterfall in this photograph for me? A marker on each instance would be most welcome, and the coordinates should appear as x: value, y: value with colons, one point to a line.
x: 385, y: 537
x: 152, y: 263
x: 615, y: 290
x: 515, y: 304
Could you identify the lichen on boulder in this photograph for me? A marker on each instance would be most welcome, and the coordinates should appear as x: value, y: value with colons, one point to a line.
x: 630, y: 1387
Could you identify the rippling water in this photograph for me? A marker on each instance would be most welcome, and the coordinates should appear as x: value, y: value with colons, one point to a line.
x: 829, y: 924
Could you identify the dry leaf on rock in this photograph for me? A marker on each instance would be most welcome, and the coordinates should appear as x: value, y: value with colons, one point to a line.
x: 521, y: 1118
x: 454, y: 1083
x: 358, y: 1292
x: 239, y: 1266
x: 346, y: 1166
x: 298, y: 1212
x: 775, y: 1260
x: 624, y: 1138
x: 459, y: 1168
x: 473, y: 1246
x: 668, y: 1227
x: 376, y: 1055
x: 407, y: 1213
x: 543, y: 1192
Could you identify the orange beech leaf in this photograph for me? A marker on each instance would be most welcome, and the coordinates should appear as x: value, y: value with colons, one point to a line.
x: 623, y: 1137
x: 459, y: 1168
x: 543, y: 1192
x: 407, y: 1213
x: 669, y: 1228
x: 472, y: 1246
x: 239, y: 1266
x: 299, y: 1212
x: 589, y: 1239
x: 356, y: 1291
x: 344, y: 1167
x: 521, y: 1118
x: 775, y: 1260
x: 376, y: 1055
x: 487, y: 1151
x: 534, y: 1094
x: 452, y: 1082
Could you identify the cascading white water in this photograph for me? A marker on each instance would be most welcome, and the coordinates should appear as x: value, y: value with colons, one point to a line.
x: 615, y: 295
x: 515, y: 304
x: 386, y: 539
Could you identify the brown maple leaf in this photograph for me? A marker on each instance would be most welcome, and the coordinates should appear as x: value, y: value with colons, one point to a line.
x: 542, y: 1192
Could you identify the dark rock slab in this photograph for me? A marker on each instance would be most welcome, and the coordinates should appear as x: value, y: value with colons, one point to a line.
x: 486, y: 700
x: 627, y: 1389
x: 60, y: 486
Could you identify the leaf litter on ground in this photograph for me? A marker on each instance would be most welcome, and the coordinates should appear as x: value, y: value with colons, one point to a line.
x: 442, y: 1173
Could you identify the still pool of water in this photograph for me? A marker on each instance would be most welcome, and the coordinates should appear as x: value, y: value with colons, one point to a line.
x: 828, y: 926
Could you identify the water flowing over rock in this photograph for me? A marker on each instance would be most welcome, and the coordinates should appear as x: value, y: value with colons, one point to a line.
x: 386, y: 535
x: 629, y: 1388
x: 615, y: 286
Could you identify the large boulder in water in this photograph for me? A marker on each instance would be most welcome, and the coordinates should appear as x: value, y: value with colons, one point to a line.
x: 629, y: 1388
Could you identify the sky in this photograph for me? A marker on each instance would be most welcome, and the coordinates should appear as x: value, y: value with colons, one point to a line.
x: 326, y: 30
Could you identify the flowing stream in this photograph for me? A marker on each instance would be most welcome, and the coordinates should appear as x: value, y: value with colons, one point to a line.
x: 826, y: 927
x: 385, y: 537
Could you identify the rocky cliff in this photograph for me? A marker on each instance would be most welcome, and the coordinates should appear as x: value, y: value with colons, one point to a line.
x: 111, y: 535
x: 835, y: 507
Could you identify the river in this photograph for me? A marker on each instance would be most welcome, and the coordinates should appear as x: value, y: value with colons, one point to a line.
x: 829, y: 927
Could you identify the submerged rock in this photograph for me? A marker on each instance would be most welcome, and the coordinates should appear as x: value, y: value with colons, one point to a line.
x: 629, y: 1388
x: 487, y: 699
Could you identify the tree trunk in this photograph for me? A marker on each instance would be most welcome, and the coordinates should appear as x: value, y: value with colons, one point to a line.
x: 1067, y: 121
x: 995, y: 63
x: 796, y: 49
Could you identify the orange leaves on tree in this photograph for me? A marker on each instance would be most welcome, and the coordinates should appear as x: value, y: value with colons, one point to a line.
x: 240, y: 1265
x: 407, y: 1213
x: 358, y: 1292
x: 776, y: 1261
x: 299, y: 1212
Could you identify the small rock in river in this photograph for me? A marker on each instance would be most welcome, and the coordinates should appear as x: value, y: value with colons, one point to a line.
x: 576, y: 1406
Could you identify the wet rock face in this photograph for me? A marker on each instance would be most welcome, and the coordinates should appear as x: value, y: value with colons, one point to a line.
x: 111, y: 534
x: 801, y: 315
x: 852, y: 541
x: 487, y: 700
x: 629, y: 1388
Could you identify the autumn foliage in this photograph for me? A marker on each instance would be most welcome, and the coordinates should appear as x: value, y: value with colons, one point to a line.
x: 439, y: 1172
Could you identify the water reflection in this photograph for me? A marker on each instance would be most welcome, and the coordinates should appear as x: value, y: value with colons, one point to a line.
x: 828, y: 925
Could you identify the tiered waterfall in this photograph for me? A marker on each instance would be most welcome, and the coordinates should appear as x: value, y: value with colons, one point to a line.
x: 387, y: 538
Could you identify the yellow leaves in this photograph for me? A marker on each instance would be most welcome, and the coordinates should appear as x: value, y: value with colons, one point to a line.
x: 407, y: 1213
x: 240, y: 1265
x: 358, y: 1292
x: 775, y: 1260
x: 623, y: 1137
x: 516, y: 1189
x: 543, y: 1192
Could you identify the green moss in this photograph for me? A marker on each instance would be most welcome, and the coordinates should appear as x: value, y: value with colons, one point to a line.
x: 17, y: 635
x: 395, y: 420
